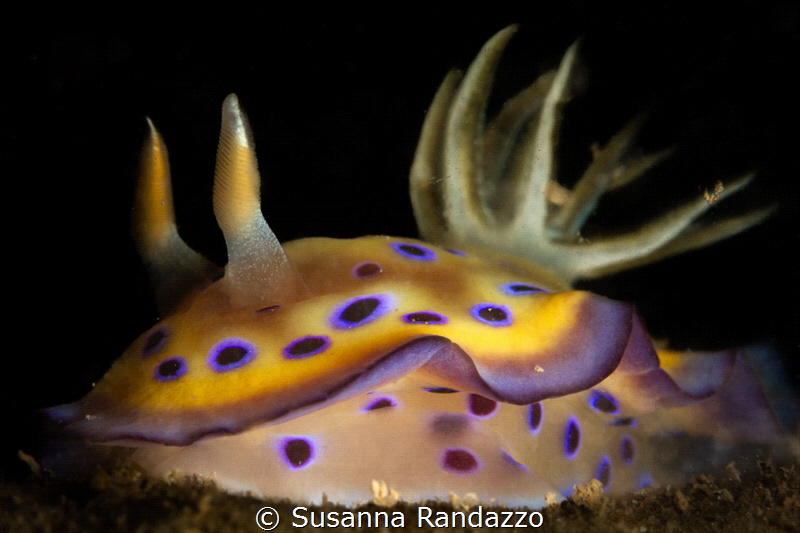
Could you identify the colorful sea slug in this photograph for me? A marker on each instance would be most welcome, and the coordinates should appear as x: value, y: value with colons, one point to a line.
x: 460, y: 363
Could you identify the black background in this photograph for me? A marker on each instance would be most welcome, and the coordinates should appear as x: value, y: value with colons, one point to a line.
x: 336, y: 102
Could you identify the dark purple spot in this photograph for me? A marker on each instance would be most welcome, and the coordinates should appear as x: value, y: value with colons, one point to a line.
x: 367, y: 270
x: 440, y: 390
x: 170, y: 369
x: 627, y: 449
x: 535, y: 417
x: 515, y: 289
x: 572, y: 438
x: 492, y: 314
x: 624, y: 421
x: 154, y: 342
x: 361, y: 310
x: 481, y: 406
x: 380, y: 403
x: 231, y: 353
x: 450, y: 424
x: 268, y: 309
x: 414, y: 251
x: 459, y: 460
x: 424, y: 317
x: 603, y: 402
x: 456, y: 252
x: 297, y: 452
x: 306, y: 347
x: 604, y: 471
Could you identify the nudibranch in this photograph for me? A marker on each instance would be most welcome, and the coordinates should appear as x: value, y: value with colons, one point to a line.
x: 461, y: 363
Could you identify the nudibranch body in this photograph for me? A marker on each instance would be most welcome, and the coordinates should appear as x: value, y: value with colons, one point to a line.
x: 468, y: 365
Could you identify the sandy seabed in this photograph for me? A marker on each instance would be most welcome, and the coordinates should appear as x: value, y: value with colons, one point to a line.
x: 125, y: 498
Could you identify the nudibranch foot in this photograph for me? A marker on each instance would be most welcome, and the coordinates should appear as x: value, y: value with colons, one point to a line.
x: 627, y: 431
x: 495, y: 185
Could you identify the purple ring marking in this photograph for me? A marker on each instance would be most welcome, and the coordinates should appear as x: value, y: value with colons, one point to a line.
x: 380, y: 402
x: 424, y: 317
x: 440, y: 390
x: 516, y: 288
x: 604, y: 471
x: 495, y: 315
x: 535, y: 417
x: 361, y: 310
x: 413, y: 251
x: 155, y: 342
x: 231, y: 353
x: 602, y: 402
x: 306, y: 346
x: 572, y: 437
x: 170, y: 369
x: 297, y: 452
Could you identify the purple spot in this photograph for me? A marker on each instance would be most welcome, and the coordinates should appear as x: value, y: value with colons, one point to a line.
x: 627, y: 449
x: 361, y: 310
x: 535, y: 417
x: 624, y: 421
x: 492, y: 314
x: 424, y: 317
x: 456, y: 252
x: 603, y: 402
x: 380, y: 403
x: 459, y: 460
x: 516, y: 289
x: 306, y: 347
x: 231, y: 353
x: 481, y: 406
x: 297, y: 452
x: 440, y: 390
x: 155, y: 342
x: 604, y: 471
x: 268, y: 309
x: 367, y: 270
x: 572, y: 438
x: 450, y: 424
x: 413, y: 251
x: 170, y: 369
